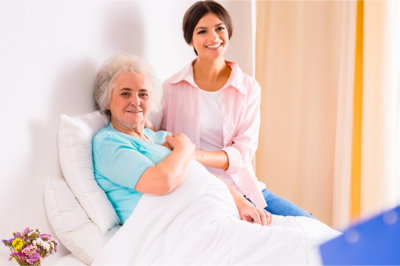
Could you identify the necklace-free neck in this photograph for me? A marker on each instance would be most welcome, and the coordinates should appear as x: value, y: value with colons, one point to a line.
x: 209, y: 69
x: 211, y: 75
x: 137, y: 131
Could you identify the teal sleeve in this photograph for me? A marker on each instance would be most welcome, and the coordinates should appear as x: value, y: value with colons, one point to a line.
x: 120, y: 162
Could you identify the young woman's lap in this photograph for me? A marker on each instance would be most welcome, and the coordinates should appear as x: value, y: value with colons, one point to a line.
x: 280, y: 206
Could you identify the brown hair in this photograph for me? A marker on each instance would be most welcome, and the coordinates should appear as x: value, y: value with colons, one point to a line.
x: 199, y: 10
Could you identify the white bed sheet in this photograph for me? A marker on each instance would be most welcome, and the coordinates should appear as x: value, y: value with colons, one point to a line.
x: 198, y: 224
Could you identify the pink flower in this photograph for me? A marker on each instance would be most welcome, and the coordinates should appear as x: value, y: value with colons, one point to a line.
x: 34, y: 258
x: 45, y: 235
x: 29, y: 250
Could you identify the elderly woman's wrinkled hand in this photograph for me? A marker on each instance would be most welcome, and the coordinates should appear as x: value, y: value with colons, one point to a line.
x: 180, y: 141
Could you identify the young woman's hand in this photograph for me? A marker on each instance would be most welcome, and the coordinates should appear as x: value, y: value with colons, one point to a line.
x: 165, y: 144
x: 248, y: 212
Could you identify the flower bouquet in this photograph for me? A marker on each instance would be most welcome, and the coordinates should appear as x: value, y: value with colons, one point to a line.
x: 30, y: 247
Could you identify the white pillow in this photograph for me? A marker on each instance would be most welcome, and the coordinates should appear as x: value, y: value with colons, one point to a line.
x: 75, y: 151
x: 70, y: 222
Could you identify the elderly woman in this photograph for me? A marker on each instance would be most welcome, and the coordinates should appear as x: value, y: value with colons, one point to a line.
x: 131, y: 160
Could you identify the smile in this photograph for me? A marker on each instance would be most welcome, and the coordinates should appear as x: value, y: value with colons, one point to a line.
x: 134, y: 111
x: 213, y: 46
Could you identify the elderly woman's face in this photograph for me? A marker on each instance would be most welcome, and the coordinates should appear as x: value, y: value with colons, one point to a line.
x: 130, y: 101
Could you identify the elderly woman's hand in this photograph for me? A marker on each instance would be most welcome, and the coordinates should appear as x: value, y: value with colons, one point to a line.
x: 167, y: 175
x: 180, y: 141
x: 248, y: 212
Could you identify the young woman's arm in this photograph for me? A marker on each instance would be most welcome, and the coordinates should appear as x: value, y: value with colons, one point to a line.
x: 216, y: 159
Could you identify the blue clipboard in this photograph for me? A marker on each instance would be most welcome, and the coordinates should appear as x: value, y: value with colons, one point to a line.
x: 375, y: 241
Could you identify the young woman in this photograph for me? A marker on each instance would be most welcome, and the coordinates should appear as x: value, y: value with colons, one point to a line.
x: 218, y: 107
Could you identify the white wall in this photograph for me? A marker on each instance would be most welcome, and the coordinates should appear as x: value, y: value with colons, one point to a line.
x: 49, y: 54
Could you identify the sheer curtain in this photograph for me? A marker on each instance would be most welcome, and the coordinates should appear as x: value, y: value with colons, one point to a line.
x: 300, y: 65
x: 306, y: 66
x: 380, y: 177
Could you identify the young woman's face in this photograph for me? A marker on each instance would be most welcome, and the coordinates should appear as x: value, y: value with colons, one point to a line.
x: 210, y: 37
x: 130, y: 101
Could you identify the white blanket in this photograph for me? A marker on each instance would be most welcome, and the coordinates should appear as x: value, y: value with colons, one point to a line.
x: 198, y: 224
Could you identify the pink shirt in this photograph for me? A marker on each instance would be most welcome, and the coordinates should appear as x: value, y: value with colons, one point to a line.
x: 241, y: 121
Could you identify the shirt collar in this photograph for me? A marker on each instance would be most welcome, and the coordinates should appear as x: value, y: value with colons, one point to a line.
x: 235, y: 79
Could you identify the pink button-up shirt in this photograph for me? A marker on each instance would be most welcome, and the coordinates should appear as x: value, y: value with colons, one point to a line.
x: 240, y: 107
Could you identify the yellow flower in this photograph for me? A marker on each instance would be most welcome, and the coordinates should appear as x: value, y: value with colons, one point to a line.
x: 17, y: 244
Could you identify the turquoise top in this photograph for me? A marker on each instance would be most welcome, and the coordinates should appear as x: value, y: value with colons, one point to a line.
x: 119, y: 160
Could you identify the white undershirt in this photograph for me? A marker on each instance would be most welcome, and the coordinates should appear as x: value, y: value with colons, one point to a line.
x: 210, y: 120
x: 211, y: 134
